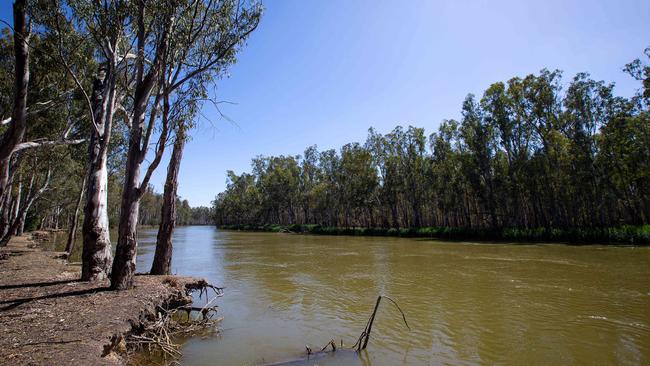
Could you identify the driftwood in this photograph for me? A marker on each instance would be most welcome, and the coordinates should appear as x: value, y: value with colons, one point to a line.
x: 362, y: 342
x: 331, y: 347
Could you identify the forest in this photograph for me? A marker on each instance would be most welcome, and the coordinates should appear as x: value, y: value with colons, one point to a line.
x: 92, y: 96
x: 535, y: 156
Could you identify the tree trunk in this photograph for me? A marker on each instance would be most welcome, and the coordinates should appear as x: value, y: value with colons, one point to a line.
x: 18, y: 224
x: 5, y: 219
x: 72, y: 233
x: 16, y: 131
x: 15, y: 206
x: 163, y: 257
x: 132, y: 191
x: 125, y: 253
x: 96, y: 254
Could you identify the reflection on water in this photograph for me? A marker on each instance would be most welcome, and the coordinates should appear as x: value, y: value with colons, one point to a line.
x: 466, y: 303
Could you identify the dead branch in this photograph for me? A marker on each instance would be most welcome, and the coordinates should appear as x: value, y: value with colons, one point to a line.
x: 362, y: 342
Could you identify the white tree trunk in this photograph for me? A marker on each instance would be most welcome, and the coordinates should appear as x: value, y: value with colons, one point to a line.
x: 97, y: 252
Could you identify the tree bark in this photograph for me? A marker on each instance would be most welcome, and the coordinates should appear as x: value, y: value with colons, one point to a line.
x: 72, y: 233
x: 16, y: 131
x: 15, y: 206
x: 5, y: 217
x: 96, y: 253
x: 164, y: 247
x: 125, y: 253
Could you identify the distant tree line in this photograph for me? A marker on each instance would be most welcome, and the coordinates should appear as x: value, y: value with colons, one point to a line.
x: 56, y: 208
x: 532, y: 152
x: 152, y: 202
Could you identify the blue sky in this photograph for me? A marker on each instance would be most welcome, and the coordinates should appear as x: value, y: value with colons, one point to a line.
x: 324, y: 71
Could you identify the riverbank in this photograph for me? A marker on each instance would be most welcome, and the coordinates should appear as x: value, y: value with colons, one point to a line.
x: 49, y: 317
x: 628, y: 234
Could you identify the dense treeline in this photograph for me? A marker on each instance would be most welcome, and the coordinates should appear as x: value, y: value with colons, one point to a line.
x: 532, y: 152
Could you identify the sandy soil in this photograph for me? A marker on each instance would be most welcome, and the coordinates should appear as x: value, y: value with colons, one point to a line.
x: 47, y: 317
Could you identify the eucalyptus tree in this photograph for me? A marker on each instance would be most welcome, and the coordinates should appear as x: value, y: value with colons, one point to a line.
x: 640, y: 71
x: 88, y: 40
x: 415, y: 170
x: 43, y: 107
x: 624, y: 150
x: 448, y: 181
x: 479, y: 159
x: 185, y: 88
x: 200, y: 36
x: 308, y: 180
x: 164, y: 247
x: 15, y: 133
x: 358, y: 181
x: 588, y: 106
x: 179, y: 115
x: 237, y: 203
x: 511, y: 139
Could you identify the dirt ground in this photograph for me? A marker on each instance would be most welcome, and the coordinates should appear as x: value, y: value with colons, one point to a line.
x: 48, y: 317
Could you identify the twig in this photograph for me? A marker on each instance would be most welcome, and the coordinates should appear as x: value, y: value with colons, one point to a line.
x: 49, y: 342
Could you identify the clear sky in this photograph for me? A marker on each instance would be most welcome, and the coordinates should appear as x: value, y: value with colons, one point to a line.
x: 324, y: 71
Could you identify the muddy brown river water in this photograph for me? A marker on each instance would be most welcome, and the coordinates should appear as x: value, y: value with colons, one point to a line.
x: 466, y: 303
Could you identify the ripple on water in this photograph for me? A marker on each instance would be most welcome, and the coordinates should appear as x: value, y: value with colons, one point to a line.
x: 622, y: 323
x: 465, y: 303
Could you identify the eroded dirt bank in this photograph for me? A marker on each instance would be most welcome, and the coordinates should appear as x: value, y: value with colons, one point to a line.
x: 48, y: 317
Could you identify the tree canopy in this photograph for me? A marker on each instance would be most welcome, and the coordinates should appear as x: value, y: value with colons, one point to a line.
x: 532, y: 152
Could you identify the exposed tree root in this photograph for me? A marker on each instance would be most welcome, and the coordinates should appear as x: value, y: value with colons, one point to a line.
x: 49, y: 317
x: 156, y: 332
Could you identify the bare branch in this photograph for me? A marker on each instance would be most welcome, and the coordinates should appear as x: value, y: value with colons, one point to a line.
x: 65, y: 64
x: 48, y: 105
x: 215, y: 60
x: 152, y: 121
x: 160, y: 147
x: 41, y: 143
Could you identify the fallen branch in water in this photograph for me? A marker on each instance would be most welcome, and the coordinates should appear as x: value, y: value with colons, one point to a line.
x: 362, y: 341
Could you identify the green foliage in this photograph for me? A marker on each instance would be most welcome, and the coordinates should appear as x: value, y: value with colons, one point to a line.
x: 626, y: 234
x: 532, y: 159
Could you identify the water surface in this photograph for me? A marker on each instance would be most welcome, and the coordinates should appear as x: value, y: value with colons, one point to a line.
x: 466, y: 303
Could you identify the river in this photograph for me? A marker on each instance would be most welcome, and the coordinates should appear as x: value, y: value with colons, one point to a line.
x: 466, y: 303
